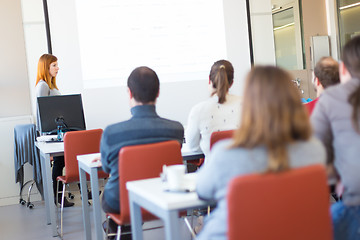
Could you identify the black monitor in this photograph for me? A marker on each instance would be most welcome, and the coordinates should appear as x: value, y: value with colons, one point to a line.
x: 64, y: 110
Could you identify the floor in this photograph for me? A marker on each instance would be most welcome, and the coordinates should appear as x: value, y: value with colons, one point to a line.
x: 19, y: 222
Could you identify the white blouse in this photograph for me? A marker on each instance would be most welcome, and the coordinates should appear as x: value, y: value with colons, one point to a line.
x: 209, y: 116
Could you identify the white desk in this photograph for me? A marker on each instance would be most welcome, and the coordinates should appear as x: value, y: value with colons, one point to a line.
x: 87, y: 166
x: 149, y: 194
x: 48, y: 150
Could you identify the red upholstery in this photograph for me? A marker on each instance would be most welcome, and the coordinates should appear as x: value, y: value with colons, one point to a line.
x: 141, y: 162
x: 291, y: 205
x: 78, y: 143
x: 220, y: 135
x: 215, y: 136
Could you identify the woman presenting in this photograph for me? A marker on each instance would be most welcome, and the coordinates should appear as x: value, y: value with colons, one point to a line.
x: 46, y: 86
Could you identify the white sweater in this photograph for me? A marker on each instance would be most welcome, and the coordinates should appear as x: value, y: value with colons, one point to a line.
x: 209, y: 116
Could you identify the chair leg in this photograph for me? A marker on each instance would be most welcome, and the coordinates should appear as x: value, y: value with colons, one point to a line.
x: 118, y: 235
x: 56, y: 193
x: 57, y: 203
x: 190, y: 228
x: 62, y: 211
x: 107, y: 227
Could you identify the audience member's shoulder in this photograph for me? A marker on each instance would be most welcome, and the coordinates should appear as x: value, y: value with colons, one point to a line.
x: 340, y: 90
x: 115, y: 127
x: 312, y: 150
x: 173, y: 123
x: 232, y: 97
x: 221, y: 145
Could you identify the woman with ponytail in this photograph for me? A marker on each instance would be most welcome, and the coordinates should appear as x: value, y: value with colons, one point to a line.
x: 220, y: 112
x: 274, y: 136
x: 336, y: 123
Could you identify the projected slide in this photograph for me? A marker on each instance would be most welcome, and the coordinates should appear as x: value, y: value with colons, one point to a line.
x: 179, y: 39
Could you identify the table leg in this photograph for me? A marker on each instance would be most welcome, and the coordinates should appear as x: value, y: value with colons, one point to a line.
x: 136, y: 219
x: 45, y: 187
x: 96, y: 203
x: 84, y: 202
x: 48, y: 194
x: 171, y: 223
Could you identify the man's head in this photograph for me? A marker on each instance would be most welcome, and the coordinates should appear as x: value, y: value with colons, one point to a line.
x: 143, y: 84
x: 326, y: 73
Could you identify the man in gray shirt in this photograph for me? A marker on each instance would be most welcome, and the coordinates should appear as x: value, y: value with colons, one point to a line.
x: 335, y: 121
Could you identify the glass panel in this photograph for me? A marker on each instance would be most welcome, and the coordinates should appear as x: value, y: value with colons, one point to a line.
x: 349, y: 19
x: 288, y: 49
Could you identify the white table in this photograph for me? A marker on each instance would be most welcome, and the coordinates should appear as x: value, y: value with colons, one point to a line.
x: 53, y: 149
x: 149, y: 194
x: 48, y: 150
x: 86, y: 165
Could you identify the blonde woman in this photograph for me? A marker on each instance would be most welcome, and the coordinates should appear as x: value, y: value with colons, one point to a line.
x: 220, y: 112
x: 274, y: 135
x: 46, y: 86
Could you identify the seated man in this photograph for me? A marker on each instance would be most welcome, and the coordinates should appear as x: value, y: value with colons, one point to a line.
x: 145, y: 126
x: 326, y: 73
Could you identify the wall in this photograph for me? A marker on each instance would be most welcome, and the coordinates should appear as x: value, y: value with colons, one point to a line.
x: 14, y: 95
x: 14, y: 88
x: 103, y: 106
x: 313, y: 25
x: 35, y: 41
x: 262, y: 32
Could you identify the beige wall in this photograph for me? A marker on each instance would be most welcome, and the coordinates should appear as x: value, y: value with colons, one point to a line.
x: 14, y: 85
x: 314, y: 23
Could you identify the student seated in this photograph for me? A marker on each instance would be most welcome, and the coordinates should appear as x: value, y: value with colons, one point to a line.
x: 220, y: 112
x: 326, y: 74
x: 336, y: 123
x: 145, y: 126
x: 274, y: 135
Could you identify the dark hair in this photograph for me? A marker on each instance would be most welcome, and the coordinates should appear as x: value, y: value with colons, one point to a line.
x: 327, y: 71
x: 144, y: 84
x: 222, y: 77
x: 351, y: 59
x: 272, y: 115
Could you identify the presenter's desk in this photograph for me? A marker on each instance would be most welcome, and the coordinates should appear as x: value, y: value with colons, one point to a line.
x: 48, y: 150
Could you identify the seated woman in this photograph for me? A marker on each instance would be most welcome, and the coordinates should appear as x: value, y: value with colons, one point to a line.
x: 220, y: 112
x: 275, y: 135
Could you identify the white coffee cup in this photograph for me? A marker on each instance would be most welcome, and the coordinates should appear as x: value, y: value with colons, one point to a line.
x: 175, y: 177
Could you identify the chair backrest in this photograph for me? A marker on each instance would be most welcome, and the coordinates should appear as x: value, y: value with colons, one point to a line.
x: 144, y: 161
x: 78, y: 143
x: 290, y: 205
x: 220, y: 135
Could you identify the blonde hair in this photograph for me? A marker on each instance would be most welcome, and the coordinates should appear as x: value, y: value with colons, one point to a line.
x: 43, y: 70
x: 221, y: 76
x: 272, y: 116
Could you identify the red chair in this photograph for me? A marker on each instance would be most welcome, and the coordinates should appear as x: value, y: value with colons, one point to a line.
x: 220, y: 135
x: 215, y: 136
x: 77, y: 143
x: 142, y: 162
x: 272, y: 206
